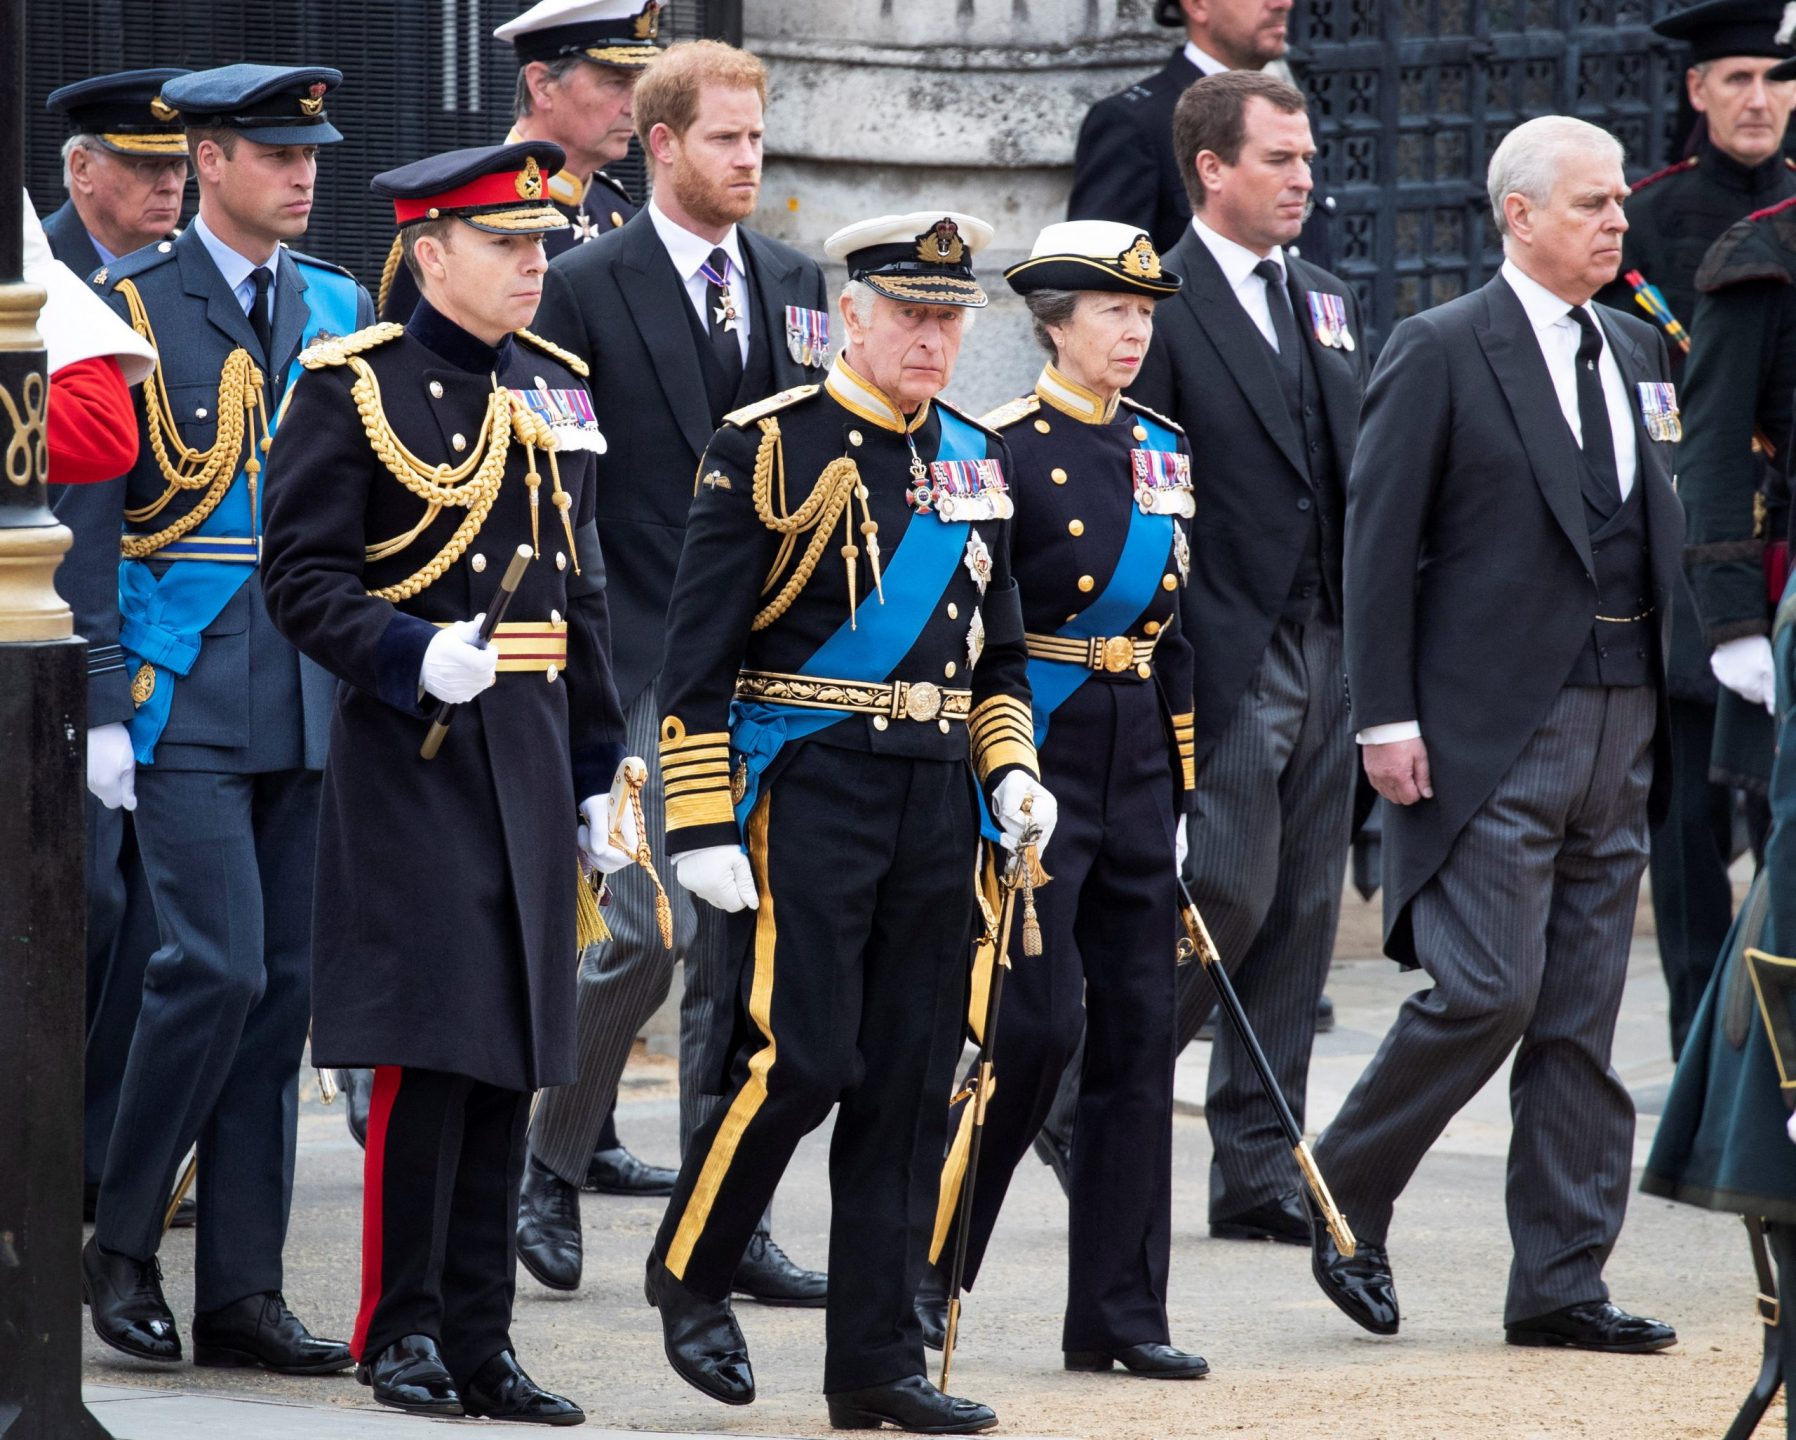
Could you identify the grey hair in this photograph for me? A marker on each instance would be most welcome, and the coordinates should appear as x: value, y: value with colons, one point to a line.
x: 1527, y: 162
x: 521, y: 104
x: 69, y: 147
x: 860, y: 297
x: 1050, y: 307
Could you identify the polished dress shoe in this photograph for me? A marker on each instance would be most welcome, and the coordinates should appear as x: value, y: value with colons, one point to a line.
x: 1156, y: 1362
x: 358, y: 1094
x: 549, y: 1227
x: 1594, y: 1325
x: 125, y: 1296
x: 184, y: 1212
x: 1285, y: 1218
x: 910, y: 1404
x: 768, y: 1277
x: 1056, y: 1152
x: 410, y: 1375
x: 260, y: 1332
x: 500, y: 1390
x: 702, y: 1340
x: 1361, y: 1288
x: 617, y: 1172
x: 932, y: 1308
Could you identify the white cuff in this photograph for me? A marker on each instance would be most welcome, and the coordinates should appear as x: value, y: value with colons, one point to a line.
x: 1391, y: 733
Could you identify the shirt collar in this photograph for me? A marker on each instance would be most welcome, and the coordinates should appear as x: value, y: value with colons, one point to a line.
x: 564, y: 187
x: 1544, y: 308
x: 1206, y: 63
x: 440, y: 335
x: 859, y: 396
x: 1074, y: 399
x: 234, y: 267
x: 690, y: 252
x: 106, y: 256
x: 1237, y: 261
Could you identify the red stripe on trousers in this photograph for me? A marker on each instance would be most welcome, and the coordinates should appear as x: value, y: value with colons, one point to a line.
x: 380, y: 1112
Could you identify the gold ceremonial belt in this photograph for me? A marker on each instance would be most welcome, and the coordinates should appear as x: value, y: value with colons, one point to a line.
x: 536, y: 646
x: 902, y: 700
x: 223, y: 549
x: 1113, y: 655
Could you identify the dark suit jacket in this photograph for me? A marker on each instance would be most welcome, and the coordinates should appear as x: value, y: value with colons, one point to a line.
x: 69, y: 240
x: 1468, y: 567
x: 1209, y: 369
x: 617, y: 303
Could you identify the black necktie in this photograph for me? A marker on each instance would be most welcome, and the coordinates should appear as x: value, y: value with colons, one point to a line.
x: 1593, y: 410
x: 723, y: 304
x: 258, y: 313
x: 1284, y: 323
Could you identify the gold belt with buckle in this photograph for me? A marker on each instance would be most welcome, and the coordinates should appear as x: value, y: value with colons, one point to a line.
x: 919, y: 700
x: 531, y: 646
x: 1112, y: 655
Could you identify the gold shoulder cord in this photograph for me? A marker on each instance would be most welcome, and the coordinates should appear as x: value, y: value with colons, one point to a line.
x: 831, y: 499
x: 213, y: 469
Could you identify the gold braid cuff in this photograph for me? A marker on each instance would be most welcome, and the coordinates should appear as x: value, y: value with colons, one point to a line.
x: 1002, y: 731
x: 1184, y: 734
x: 695, y: 776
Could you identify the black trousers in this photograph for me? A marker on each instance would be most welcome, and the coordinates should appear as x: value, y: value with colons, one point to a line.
x: 444, y: 1161
x: 1107, y: 969
x: 851, y: 996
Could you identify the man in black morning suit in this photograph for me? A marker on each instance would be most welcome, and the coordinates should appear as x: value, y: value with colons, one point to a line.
x: 672, y: 351
x: 1513, y: 543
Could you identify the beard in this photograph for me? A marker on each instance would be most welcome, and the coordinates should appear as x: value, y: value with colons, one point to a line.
x: 712, y: 202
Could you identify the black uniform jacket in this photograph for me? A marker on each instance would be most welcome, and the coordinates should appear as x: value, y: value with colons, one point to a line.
x: 1468, y: 562
x: 444, y: 929
x: 971, y: 637
x: 1209, y: 368
x: 619, y: 304
x: 1075, y: 501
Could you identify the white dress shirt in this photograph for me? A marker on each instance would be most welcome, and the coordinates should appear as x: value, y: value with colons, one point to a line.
x: 1207, y: 64
x: 1557, y: 334
x: 237, y: 269
x: 690, y: 254
x: 1237, y: 263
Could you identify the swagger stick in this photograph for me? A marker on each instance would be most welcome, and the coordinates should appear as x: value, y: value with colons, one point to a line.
x: 495, y: 612
x: 1200, y: 947
x: 182, y: 1186
x: 1019, y: 875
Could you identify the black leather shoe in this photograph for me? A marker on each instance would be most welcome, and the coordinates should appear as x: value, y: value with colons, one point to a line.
x: 549, y: 1227
x: 768, y: 1277
x: 617, y: 1172
x: 125, y: 1296
x: 184, y: 1212
x: 910, y: 1404
x: 410, y: 1375
x: 260, y: 1332
x: 1156, y: 1362
x: 1285, y: 1219
x: 1056, y: 1153
x: 703, y: 1342
x: 500, y: 1390
x: 1361, y: 1288
x: 1325, y: 1016
x: 1594, y: 1325
x: 358, y: 1094
x: 932, y: 1308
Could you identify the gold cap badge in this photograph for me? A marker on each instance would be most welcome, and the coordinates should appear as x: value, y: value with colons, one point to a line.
x: 161, y: 110
x: 648, y: 24
x: 530, y: 180
x: 941, y: 244
x: 1140, y: 260
x: 312, y: 102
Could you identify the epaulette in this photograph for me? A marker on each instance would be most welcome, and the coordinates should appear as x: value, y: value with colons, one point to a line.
x: 338, y: 349
x: 549, y: 347
x: 1154, y: 415
x: 1744, y: 252
x: 1011, y: 411
x: 601, y: 178
x: 136, y: 263
x: 299, y: 257
x: 964, y: 415
x: 748, y: 414
x: 1678, y: 169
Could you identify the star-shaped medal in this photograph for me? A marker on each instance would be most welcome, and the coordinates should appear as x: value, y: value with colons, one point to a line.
x: 584, y: 229
x: 726, y: 313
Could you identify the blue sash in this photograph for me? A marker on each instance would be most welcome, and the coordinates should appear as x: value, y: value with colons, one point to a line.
x: 161, y: 618
x: 1130, y: 588
x: 913, y: 579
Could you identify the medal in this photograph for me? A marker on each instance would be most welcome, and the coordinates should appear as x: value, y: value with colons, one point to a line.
x: 726, y: 312
x: 1659, y: 411
x: 807, y: 336
x: 975, y: 640
x: 978, y: 561
x: 1328, y: 318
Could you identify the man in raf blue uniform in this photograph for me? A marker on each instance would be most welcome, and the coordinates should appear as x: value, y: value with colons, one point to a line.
x: 845, y: 678
x: 227, y: 735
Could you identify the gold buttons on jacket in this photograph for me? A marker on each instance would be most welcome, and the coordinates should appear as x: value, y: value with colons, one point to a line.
x: 436, y: 389
x: 1075, y: 527
x: 854, y: 437
x: 555, y: 670
x: 458, y: 441
x: 1169, y: 582
x: 1144, y: 669
x: 199, y: 412
x: 1057, y: 475
x: 1152, y: 627
x: 1139, y: 432
x: 948, y: 669
x: 541, y: 384
x: 561, y: 561
x: 478, y: 563
x: 880, y: 722
x: 1086, y: 582
x: 953, y: 611
x: 1042, y: 426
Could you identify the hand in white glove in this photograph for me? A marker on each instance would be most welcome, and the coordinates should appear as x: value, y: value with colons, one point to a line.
x: 720, y: 874
x: 1007, y: 810
x: 1181, y: 843
x: 1790, y: 1127
x: 112, y: 767
x: 595, y: 835
x: 455, y: 668
x: 1745, y: 667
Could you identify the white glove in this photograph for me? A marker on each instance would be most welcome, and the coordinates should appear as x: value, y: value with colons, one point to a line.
x: 1745, y: 667
x: 720, y: 874
x: 1790, y: 1127
x: 1181, y: 843
x: 1007, y: 810
x: 455, y: 668
x: 595, y: 835
x: 111, y: 766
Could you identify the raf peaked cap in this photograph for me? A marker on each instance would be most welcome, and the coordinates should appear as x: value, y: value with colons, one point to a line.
x: 924, y: 257
x: 1732, y: 27
x: 1093, y: 255
x: 270, y: 104
x: 502, y: 189
x: 607, y: 32
x: 124, y: 112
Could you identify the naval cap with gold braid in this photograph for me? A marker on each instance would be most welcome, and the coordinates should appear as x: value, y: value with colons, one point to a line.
x: 502, y: 189
x: 924, y: 257
x: 124, y: 112
x: 607, y: 32
x: 1093, y: 255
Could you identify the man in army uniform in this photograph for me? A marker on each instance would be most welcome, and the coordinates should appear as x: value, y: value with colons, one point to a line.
x: 418, y: 462
x: 1737, y: 166
x: 227, y: 735
x: 842, y: 641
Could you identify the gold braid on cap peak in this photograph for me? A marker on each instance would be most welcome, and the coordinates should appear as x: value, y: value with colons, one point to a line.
x: 831, y: 499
